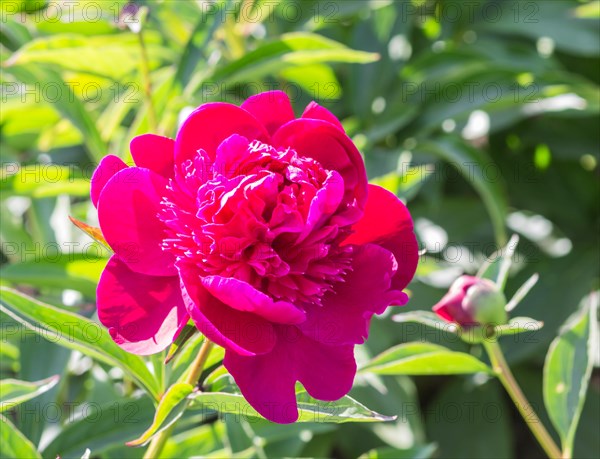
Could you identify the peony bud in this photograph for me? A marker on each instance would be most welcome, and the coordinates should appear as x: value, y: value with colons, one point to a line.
x: 486, y: 303
x: 472, y: 301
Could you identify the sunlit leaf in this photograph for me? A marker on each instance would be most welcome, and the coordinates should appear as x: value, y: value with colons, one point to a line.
x: 170, y: 408
x: 113, y: 56
x: 67, y: 104
x: 518, y: 325
x: 292, y: 49
x: 14, y: 444
x: 42, y: 181
x: 310, y: 410
x: 424, y: 359
x: 75, y: 332
x: 427, y: 318
x: 79, y: 272
x: 14, y: 392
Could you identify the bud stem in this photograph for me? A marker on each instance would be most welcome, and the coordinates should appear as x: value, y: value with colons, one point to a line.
x: 199, y: 361
x: 507, y: 379
x: 158, y: 442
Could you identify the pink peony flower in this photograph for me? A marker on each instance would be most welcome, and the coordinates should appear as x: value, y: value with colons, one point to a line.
x: 262, y: 228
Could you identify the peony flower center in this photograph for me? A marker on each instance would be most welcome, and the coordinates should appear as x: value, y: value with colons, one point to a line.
x: 261, y: 215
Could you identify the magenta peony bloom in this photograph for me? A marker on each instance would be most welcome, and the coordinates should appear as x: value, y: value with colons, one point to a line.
x: 261, y: 228
x: 472, y: 301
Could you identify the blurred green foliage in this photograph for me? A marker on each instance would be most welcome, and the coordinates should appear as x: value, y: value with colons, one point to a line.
x: 482, y: 115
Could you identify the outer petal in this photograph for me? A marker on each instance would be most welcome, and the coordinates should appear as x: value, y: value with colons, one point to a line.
x: 241, y: 332
x: 212, y: 123
x: 143, y: 313
x: 109, y: 166
x: 316, y: 112
x: 346, y: 312
x: 326, y: 372
x: 272, y: 108
x: 128, y: 214
x: 451, y: 308
x: 388, y: 223
x: 325, y: 143
x: 267, y: 381
x: 243, y: 297
x: 154, y: 152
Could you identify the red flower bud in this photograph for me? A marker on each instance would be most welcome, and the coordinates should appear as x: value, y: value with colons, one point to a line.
x: 472, y: 301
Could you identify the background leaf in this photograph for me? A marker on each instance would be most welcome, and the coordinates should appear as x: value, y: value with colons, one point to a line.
x: 479, y: 410
x: 14, y: 392
x: 568, y: 368
x: 472, y: 163
x: 14, y: 444
x: 75, y: 332
x: 102, y: 428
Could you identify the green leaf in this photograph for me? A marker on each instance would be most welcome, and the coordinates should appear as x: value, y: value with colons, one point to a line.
x: 392, y: 122
x: 568, y: 368
x: 170, y: 408
x: 416, y: 452
x: 9, y: 354
x: 424, y: 359
x: 556, y: 21
x: 310, y: 410
x: 75, y: 332
x: 14, y: 444
x: 42, y: 181
x: 472, y: 164
x: 67, y: 104
x: 291, y: 49
x: 427, y: 318
x: 522, y: 292
x: 497, y: 267
x: 470, y: 421
x: 197, y: 441
x: 318, y: 80
x: 55, y: 358
x: 101, y: 427
x: 79, y: 272
x: 14, y: 392
x: 518, y: 325
x: 405, y: 184
x: 111, y: 56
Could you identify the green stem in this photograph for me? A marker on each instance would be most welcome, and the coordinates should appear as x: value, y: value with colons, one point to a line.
x: 507, y: 379
x: 198, y: 365
x: 158, y: 442
x: 146, y: 82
